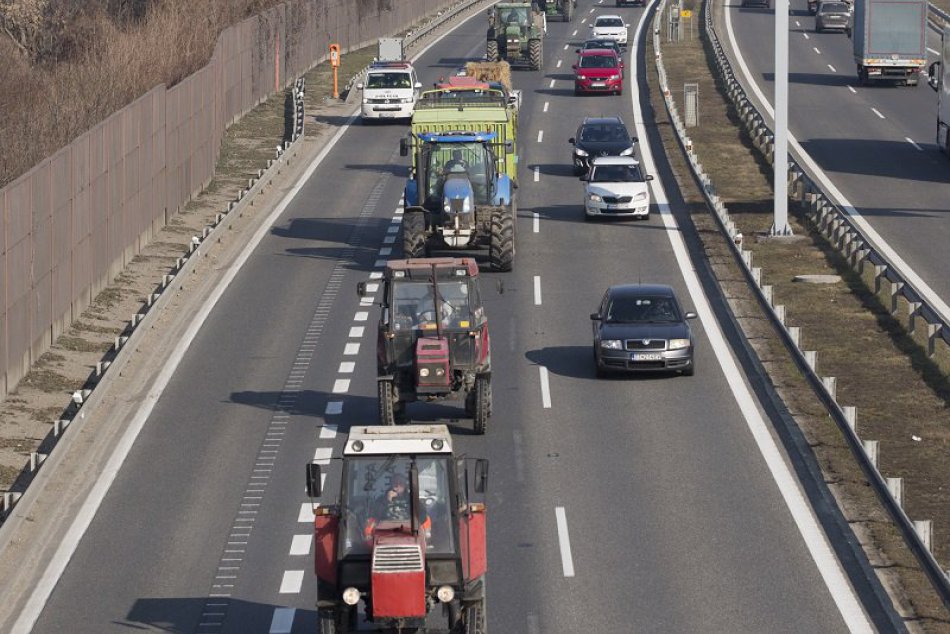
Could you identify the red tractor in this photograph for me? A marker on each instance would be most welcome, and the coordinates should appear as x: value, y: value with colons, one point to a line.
x: 405, y: 536
x: 433, y: 338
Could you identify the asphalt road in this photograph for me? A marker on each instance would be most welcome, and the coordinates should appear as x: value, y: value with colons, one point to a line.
x: 875, y: 143
x: 675, y: 523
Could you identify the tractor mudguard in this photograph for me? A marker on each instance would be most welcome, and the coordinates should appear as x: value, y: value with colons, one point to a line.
x: 411, y: 193
x: 502, y: 191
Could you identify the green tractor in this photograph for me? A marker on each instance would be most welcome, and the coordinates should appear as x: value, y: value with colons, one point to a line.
x: 515, y: 32
x: 560, y: 9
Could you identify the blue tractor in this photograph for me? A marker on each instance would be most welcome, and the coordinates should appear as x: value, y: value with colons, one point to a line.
x: 456, y: 193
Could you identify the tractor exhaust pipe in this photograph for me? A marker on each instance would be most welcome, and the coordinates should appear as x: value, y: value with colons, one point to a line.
x: 414, y: 498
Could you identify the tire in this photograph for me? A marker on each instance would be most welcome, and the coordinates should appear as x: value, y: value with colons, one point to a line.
x: 414, y: 235
x: 482, y: 391
x: 536, y: 53
x: 387, y: 403
x: 491, y: 51
x: 691, y: 370
x: 337, y: 621
x: 475, y: 619
x: 501, y: 246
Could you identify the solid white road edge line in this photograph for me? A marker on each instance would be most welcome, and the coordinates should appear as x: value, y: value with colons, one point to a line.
x: 814, y: 538
x: 878, y: 242
x: 34, y: 606
x: 564, y: 541
x: 545, y: 387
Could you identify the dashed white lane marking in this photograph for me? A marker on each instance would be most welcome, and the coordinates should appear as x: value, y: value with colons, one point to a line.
x: 378, y: 264
x: 805, y: 35
x: 815, y: 48
x: 300, y: 545
x: 334, y: 408
x: 356, y: 331
x: 389, y: 240
x: 386, y: 251
x: 536, y: 222
x: 878, y: 113
x: 564, y: 540
x: 832, y: 68
x: 393, y: 229
x: 322, y: 455
x: 584, y: 21
x: 911, y: 141
x: 591, y: 11
x: 545, y: 108
x: 352, y: 349
x: 852, y: 90
x: 328, y: 431
x: 537, y: 173
x: 361, y: 316
x: 930, y: 50
x: 566, y: 46
x: 341, y: 386
x: 283, y: 621
x: 307, y: 513
x: 537, y: 290
x: 372, y: 288
x: 540, y: 135
x: 545, y: 388
x: 797, y: 23
x: 376, y: 275
x: 574, y: 33
x: 347, y: 367
x: 558, y: 65
x: 552, y: 84
x: 292, y: 582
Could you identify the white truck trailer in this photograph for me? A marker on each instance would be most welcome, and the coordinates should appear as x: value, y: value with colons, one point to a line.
x: 890, y: 40
x: 939, y: 75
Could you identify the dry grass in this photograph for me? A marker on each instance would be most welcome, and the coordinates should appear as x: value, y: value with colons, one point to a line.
x: 880, y: 367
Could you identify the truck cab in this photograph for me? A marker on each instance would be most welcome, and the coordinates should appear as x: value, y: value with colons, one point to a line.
x: 390, y: 90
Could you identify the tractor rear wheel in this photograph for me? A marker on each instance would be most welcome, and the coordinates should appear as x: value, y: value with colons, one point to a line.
x: 536, y: 54
x: 491, y: 51
x: 501, y: 246
x: 388, y: 406
x: 414, y: 235
x: 482, y: 404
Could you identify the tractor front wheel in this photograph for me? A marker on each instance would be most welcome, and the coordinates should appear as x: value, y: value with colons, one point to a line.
x: 491, y: 51
x: 501, y: 246
x: 414, y: 235
x: 536, y: 54
x: 389, y: 407
x: 482, y: 404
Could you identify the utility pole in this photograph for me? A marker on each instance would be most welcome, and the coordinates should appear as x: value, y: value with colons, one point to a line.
x: 780, y: 157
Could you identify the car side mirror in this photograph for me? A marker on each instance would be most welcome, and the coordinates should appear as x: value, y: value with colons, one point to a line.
x: 359, y: 86
x: 649, y: 177
x: 417, y: 85
x: 573, y: 66
x: 932, y: 74
x: 314, y: 481
x: 403, y: 147
x: 572, y: 141
x: 595, y: 316
x: 691, y: 315
x: 577, y: 50
x: 481, y: 475
x: 361, y: 289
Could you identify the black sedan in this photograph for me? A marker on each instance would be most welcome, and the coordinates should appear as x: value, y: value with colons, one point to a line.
x: 610, y: 45
x: 600, y: 136
x: 642, y: 327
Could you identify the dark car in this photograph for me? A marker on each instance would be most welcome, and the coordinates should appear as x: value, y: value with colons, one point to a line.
x: 598, y: 70
x: 600, y: 136
x: 610, y: 45
x: 641, y: 327
x: 833, y: 16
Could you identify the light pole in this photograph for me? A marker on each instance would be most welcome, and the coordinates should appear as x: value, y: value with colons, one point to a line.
x: 780, y: 156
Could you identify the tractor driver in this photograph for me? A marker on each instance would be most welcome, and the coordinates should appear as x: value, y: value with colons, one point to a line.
x: 394, y: 506
x: 456, y: 164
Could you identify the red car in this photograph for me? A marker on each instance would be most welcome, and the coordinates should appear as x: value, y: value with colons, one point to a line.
x: 598, y: 70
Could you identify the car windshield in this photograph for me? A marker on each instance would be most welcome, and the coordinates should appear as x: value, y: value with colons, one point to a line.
x: 608, y: 44
x: 641, y: 309
x: 414, y: 308
x: 388, y: 80
x: 608, y: 22
x: 599, y: 61
x: 604, y: 133
x: 834, y: 7
x: 616, y: 174
x: 378, y: 489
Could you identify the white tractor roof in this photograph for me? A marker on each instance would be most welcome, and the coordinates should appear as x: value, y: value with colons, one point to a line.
x: 402, y: 439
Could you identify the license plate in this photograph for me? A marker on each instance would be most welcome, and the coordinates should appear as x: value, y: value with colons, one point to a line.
x: 386, y: 115
x: 597, y: 84
x: 647, y: 356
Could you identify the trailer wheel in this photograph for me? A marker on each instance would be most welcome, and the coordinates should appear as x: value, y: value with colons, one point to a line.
x: 482, y: 404
x: 535, y: 52
x: 414, y: 235
x: 491, y: 51
x: 501, y: 246
x: 388, y: 405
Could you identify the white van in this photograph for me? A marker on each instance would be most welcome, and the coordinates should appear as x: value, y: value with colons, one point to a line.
x: 390, y: 91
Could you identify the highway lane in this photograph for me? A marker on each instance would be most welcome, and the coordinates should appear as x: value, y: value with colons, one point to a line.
x: 875, y: 143
x: 675, y: 523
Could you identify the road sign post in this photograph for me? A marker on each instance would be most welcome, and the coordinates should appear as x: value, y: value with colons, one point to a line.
x: 335, y: 63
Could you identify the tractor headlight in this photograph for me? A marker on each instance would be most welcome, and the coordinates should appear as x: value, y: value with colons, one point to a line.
x: 641, y: 196
x: 627, y: 152
x: 423, y: 372
x: 446, y: 205
x: 351, y: 596
x: 594, y: 198
x: 440, y: 371
x: 611, y: 344
x: 445, y: 593
x: 678, y: 344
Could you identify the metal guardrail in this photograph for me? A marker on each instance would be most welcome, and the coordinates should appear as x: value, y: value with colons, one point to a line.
x: 841, y: 231
x: 937, y: 17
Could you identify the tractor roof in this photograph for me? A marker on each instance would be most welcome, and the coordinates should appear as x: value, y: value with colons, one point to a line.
x: 370, y: 440
x: 457, y: 137
x: 421, y: 268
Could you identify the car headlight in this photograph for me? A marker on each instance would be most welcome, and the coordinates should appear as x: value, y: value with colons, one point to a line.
x: 627, y: 152
x: 580, y: 152
x: 678, y: 344
x: 594, y: 198
x: 641, y: 196
x: 613, y: 77
x: 611, y: 344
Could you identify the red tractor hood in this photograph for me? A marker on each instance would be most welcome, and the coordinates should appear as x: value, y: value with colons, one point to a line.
x: 398, y: 574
